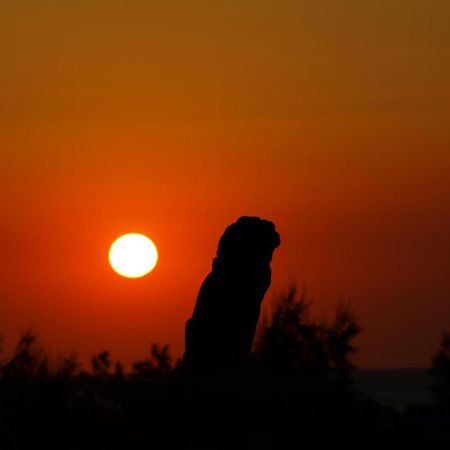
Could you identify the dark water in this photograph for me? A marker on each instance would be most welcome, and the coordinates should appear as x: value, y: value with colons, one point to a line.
x: 395, y: 387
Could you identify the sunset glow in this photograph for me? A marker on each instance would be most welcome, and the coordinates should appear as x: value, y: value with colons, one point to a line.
x: 172, y: 119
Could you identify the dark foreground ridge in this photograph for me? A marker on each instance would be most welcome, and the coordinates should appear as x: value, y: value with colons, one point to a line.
x: 212, y: 413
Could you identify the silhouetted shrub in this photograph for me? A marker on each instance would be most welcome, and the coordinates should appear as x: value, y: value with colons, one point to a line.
x: 119, y: 371
x: 68, y: 366
x: 440, y: 371
x: 28, y: 360
x: 340, y: 335
x: 101, y: 363
x: 159, y: 364
x: 291, y: 343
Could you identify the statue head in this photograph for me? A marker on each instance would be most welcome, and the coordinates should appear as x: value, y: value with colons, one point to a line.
x: 249, y: 240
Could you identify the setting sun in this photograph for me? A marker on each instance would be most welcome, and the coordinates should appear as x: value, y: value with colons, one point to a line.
x: 133, y: 255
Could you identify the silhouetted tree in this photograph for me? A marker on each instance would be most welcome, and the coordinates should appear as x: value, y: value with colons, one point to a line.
x: 101, y: 363
x: 119, y: 371
x: 341, y: 333
x: 440, y: 371
x: 291, y: 343
x: 68, y: 366
x: 28, y: 359
x: 157, y: 365
x: 1, y: 349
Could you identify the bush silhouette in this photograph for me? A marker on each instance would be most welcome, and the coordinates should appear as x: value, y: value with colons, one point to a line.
x: 159, y: 364
x: 101, y: 363
x: 293, y: 344
x: 28, y: 360
x: 440, y: 372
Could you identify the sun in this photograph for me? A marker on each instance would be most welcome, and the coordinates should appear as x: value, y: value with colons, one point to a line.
x: 133, y: 255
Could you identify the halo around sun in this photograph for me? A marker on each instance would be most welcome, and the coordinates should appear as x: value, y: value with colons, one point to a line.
x: 133, y: 255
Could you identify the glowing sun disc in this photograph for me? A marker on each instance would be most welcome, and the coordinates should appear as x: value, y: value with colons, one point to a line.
x: 133, y: 255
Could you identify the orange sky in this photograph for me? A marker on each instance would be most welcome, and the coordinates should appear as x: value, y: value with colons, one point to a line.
x: 331, y: 120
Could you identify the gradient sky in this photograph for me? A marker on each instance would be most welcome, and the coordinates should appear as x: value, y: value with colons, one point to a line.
x: 331, y: 119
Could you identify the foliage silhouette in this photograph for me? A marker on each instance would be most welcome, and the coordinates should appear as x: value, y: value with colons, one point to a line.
x: 293, y: 344
x: 158, y: 365
x: 68, y: 366
x: 28, y: 359
x: 440, y: 372
x: 101, y: 363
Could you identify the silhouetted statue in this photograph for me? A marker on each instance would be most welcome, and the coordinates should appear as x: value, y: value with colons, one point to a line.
x: 220, y: 333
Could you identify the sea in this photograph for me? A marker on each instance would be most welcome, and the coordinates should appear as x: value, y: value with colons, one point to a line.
x: 397, y: 388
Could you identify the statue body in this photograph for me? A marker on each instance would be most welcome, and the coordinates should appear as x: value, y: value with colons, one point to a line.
x: 220, y: 333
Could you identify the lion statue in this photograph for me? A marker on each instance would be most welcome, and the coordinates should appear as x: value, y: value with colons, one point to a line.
x: 219, y: 335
